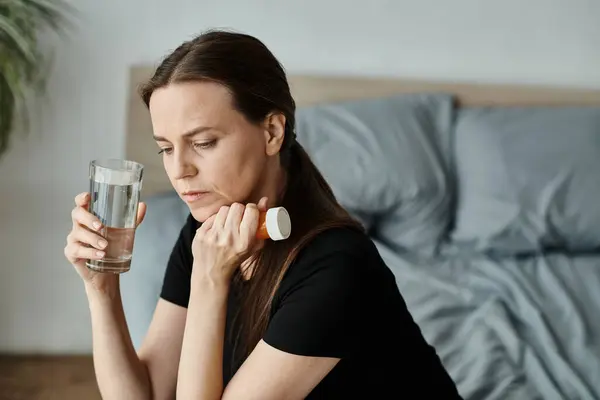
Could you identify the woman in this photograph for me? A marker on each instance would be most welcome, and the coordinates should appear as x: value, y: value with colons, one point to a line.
x: 318, y: 315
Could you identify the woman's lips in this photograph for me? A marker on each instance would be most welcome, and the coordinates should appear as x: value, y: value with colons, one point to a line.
x: 190, y: 197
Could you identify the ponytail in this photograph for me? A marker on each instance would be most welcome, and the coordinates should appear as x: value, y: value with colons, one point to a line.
x: 313, y: 208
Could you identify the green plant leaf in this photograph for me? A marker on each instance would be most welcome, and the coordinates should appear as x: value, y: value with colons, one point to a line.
x: 7, y: 105
x: 23, y: 65
x: 13, y: 39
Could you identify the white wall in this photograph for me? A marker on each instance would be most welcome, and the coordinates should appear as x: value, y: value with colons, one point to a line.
x: 42, y: 303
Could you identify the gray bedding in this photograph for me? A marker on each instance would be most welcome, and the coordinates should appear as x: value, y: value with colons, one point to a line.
x: 509, y: 328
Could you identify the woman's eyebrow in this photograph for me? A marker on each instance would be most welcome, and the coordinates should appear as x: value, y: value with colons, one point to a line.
x: 188, y: 134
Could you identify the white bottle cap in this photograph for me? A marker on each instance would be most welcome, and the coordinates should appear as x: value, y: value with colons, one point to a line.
x: 279, y: 225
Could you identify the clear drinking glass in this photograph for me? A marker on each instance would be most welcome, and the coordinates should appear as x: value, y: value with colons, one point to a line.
x: 115, y: 187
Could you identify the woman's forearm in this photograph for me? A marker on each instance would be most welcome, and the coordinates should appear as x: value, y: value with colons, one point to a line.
x: 200, y: 373
x: 119, y: 372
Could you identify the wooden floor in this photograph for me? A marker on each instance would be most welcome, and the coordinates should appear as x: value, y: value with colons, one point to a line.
x: 47, y: 378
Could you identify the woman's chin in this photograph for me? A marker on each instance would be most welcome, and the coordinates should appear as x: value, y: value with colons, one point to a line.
x: 201, y: 214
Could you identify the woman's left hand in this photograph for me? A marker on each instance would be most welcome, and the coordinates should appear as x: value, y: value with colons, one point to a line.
x: 224, y: 241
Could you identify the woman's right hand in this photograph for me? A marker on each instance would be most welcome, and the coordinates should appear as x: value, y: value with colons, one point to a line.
x: 85, y: 242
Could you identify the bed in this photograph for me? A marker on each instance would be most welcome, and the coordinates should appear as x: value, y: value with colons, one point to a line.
x: 482, y: 199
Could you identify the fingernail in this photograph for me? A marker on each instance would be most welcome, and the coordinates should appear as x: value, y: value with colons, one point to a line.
x: 100, y: 253
x: 102, y: 243
x: 96, y: 225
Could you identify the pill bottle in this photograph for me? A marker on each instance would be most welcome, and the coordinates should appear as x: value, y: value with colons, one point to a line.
x: 274, y: 224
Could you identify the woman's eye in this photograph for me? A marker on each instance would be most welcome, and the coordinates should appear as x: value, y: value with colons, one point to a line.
x: 205, y: 145
x: 200, y: 146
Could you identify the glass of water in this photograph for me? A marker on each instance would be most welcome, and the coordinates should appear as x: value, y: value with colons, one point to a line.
x: 115, y: 187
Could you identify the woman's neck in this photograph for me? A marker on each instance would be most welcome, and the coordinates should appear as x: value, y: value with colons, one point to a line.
x: 273, y: 187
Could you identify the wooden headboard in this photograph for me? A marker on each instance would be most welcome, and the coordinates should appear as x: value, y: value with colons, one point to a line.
x: 307, y: 90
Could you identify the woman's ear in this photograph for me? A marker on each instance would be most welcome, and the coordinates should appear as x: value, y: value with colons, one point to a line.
x: 274, y: 132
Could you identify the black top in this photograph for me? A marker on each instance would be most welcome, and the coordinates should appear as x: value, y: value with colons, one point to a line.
x: 338, y: 299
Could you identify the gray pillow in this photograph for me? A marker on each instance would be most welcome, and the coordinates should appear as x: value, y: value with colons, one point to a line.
x: 528, y: 179
x: 154, y: 240
x: 383, y: 160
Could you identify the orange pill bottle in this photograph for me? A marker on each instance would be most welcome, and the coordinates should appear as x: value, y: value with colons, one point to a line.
x: 274, y: 224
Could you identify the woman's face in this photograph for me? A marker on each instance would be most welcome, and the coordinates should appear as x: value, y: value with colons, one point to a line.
x: 212, y: 154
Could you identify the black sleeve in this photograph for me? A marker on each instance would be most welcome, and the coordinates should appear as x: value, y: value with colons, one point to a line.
x: 176, y: 282
x: 323, y: 314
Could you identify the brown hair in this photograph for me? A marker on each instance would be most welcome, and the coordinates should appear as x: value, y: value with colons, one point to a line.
x: 259, y: 86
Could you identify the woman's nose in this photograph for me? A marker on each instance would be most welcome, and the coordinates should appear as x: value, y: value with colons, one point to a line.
x: 182, y: 167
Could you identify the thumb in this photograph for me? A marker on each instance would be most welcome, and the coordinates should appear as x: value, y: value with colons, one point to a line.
x: 141, y: 213
x: 262, y: 204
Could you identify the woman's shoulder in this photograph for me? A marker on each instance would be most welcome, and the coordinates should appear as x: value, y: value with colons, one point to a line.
x: 337, y: 250
x: 338, y: 263
x: 338, y: 240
